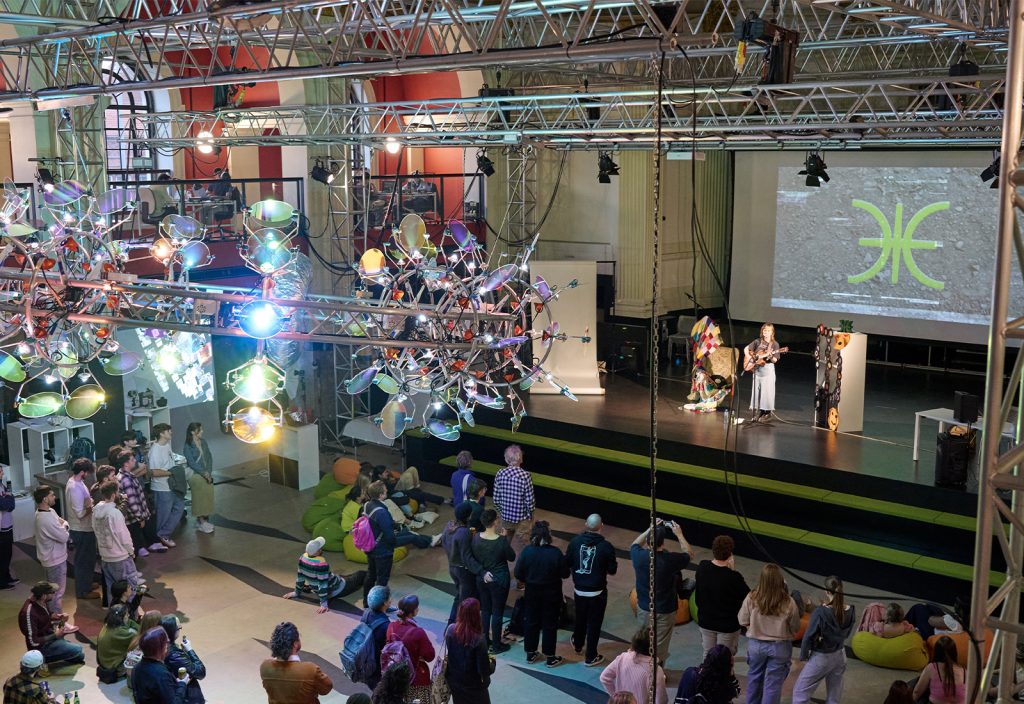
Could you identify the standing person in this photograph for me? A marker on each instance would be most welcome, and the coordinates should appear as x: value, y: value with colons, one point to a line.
x: 139, y: 518
x: 461, y: 477
x: 376, y: 617
x: 720, y: 593
x: 713, y: 680
x: 943, y: 681
x: 7, y: 580
x: 417, y: 644
x: 475, y: 500
x: 200, y: 460
x: 113, y: 540
x: 52, y: 535
x: 169, y: 505
x: 151, y: 682
x: 22, y: 688
x: 668, y: 566
x: 764, y: 353
x: 591, y: 559
x: 492, y: 551
x: 379, y: 560
x: 542, y: 567
x: 824, y: 639
x: 771, y: 618
x: 79, y: 509
x: 469, y: 668
x: 631, y: 672
x: 183, y: 657
x: 287, y: 679
x: 513, y: 497
x: 44, y: 630
x: 463, y: 567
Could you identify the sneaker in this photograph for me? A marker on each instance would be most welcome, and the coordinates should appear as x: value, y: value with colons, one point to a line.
x: 577, y: 648
x: 168, y: 542
x: 499, y: 649
x: 598, y: 659
x: 435, y: 541
x: 143, y: 552
x: 205, y: 527
x: 157, y: 547
x: 532, y: 657
x: 554, y: 661
x: 70, y: 629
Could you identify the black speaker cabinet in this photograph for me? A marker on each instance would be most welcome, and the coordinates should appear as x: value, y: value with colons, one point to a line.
x: 965, y: 407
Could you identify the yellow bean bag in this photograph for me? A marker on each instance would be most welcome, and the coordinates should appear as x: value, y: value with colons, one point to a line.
x: 345, y: 470
x: 354, y: 554
x: 963, y: 645
x: 682, y: 612
x: 414, y: 505
x: 905, y: 652
x: 320, y: 509
x: 330, y: 530
x: 326, y: 486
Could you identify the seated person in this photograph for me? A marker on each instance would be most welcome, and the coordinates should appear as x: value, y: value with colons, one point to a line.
x: 314, y: 575
x: 403, y: 486
x: 44, y: 631
x: 113, y: 643
x: 353, y: 505
x: 199, y: 191
x: 894, y: 624
x: 713, y: 679
x: 23, y: 687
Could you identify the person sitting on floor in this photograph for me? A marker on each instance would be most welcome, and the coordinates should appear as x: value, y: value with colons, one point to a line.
x: 151, y: 682
x: 45, y: 631
x: 183, y: 657
x: 114, y: 642
x: 23, y: 687
x: 713, y: 679
x: 942, y: 681
x: 895, y: 623
x: 314, y: 575
x: 354, y: 501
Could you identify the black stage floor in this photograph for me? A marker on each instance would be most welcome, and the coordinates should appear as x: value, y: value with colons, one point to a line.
x: 884, y: 449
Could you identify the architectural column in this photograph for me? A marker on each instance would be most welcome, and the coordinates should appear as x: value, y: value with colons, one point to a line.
x: 636, y: 234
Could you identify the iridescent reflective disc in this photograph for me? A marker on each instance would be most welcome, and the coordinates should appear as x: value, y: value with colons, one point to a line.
x: 113, y: 200
x: 41, y: 405
x: 394, y: 418
x: 195, y: 254
x: 386, y: 383
x: 542, y: 288
x: 85, y: 401
x: 182, y: 227
x: 269, y: 250
x: 19, y: 229
x: 64, y: 193
x: 488, y: 401
x: 121, y: 363
x: 372, y: 262
x: 497, y: 278
x: 549, y: 334
x: 361, y: 381
x: 462, y: 236
x: 254, y: 425
x: 413, y: 232
x: 11, y: 369
x: 257, y: 382
x: 271, y: 210
x: 443, y: 430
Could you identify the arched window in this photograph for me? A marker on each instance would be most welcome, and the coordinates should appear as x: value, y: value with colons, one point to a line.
x: 127, y: 162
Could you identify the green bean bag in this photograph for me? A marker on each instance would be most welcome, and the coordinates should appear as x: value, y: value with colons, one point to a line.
x: 341, y: 493
x: 320, y: 509
x: 330, y: 530
x: 693, y: 606
x: 326, y: 486
x: 354, y: 554
x: 905, y: 652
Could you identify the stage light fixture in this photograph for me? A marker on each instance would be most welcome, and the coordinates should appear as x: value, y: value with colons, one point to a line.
x: 992, y: 172
x: 254, y: 425
x: 815, y: 170
x: 484, y: 165
x: 256, y: 381
x: 261, y: 319
x: 606, y: 168
x: 45, y: 178
x: 321, y: 174
x: 392, y: 145
x: 204, y: 142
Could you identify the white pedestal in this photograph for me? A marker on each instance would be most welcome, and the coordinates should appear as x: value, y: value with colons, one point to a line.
x: 24, y: 518
x: 572, y: 362
x: 851, y: 394
x: 295, y: 457
x: 143, y: 419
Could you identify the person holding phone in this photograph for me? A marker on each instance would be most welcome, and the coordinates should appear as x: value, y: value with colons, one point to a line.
x: 651, y: 544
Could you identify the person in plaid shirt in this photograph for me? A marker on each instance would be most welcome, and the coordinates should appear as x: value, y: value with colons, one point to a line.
x: 22, y: 687
x: 513, y: 497
x: 140, y: 522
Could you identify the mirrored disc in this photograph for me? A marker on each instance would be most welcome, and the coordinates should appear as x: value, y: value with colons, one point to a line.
x: 271, y: 210
x: 258, y: 381
x: 121, y: 363
x: 372, y: 262
x: 195, y: 254
x: 542, y: 288
x: 386, y: 383
x: 394, y: 418
x: 462, y: 236
x: 64, y: 193
x: 11, y: 369
x: 254, y: 425
x: 361, y: 381
x: 85, y: 401
x: 182, y: 226
x: 497, y: 278
x: 19, y: 229
x: 114, y: 200
x: 413, y: 232
x: 443, y: 430
x: 40, y: 405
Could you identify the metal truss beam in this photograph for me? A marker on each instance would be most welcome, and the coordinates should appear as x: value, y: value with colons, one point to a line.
x: 865, y: 111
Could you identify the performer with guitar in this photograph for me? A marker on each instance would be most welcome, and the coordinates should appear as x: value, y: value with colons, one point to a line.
x: 760, y: 357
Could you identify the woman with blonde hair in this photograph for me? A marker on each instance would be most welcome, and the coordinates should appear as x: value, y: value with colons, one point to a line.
x: 825, y: 638
x: 772, y: 619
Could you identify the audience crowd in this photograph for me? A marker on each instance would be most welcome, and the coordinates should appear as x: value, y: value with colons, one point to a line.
x: 122, y: 511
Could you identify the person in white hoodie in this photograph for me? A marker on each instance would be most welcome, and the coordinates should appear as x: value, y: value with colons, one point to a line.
x: 113, y: 540
x: 52, y: 535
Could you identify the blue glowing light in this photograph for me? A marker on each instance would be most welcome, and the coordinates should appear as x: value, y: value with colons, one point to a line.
x: 261, y: 319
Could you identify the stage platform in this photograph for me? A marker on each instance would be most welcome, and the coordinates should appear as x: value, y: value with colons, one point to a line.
x: 853, y: 504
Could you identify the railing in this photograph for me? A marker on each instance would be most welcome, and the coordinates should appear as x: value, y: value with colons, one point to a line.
x: 437, y: 198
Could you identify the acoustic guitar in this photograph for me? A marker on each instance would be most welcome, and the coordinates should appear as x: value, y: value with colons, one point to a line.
x: 753, y: 361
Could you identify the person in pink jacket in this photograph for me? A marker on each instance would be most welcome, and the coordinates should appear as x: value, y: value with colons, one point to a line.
x: 113, y: 540
x: 631, y: 672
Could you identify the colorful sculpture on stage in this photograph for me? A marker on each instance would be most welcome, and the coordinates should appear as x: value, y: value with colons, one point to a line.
x: 713, y: 367
x: 828, y: 365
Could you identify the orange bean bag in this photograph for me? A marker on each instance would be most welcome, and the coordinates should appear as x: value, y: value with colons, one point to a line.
x: 682, y: 612
x: 963, y: 645
x: 345, y: 470
x: 804, y: 620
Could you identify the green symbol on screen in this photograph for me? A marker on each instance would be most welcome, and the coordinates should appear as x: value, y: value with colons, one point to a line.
x: 899, y: 243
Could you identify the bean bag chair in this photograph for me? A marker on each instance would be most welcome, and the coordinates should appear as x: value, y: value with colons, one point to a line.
x: 345, y: 470
x: 354, y: 554
x: 804, y: 620
x: 326, y: 486
x: 330, y: 530
x: 414, y: 505
x: 693, y: 606
x: 963, y: 645
x: 682, y: 612
x: 320, y: 509
x: 341, y: 493
x: 906, y: 652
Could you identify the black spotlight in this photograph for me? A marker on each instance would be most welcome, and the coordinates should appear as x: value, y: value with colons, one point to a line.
x: 45, y: 176
x: 321, y: 174
x: 484, y: 165
x: 814, y: 170
x: 992, y: 171
x: 606, y: 168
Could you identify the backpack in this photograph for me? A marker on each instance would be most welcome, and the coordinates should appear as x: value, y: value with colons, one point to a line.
x: 395, y: 653
x: 363, y: 536
x: 358, y: 655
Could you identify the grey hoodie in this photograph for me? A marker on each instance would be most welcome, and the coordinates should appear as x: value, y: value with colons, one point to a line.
x: 824, y: 634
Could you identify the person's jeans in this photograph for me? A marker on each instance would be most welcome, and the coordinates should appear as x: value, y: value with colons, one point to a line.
x: 768, y: 663
x: 123, y: 569
x: 542, y: 607
x: 59, y: 650
x: 58, y: 574
x: 378, y: 572
x: 662, y: 628
x: 424, y: 497
x: 821, y: 666
x: 589, y: 619
x: 84, y: 561
x: 143, y: 536
x: 407, y: 537
x: 169, y: 509
x: 493, y: 596
x: 6, y: 551
x: 709, y: 639
x: 465, y: 587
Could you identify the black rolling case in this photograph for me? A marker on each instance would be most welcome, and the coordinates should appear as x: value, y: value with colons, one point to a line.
x: 952, y: 457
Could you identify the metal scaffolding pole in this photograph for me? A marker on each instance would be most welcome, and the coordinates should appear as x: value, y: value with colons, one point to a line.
x: 1001, y: 470
x: 522, y: 192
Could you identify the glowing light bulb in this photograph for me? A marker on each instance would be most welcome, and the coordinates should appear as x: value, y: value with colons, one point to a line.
x: 421, y: 317
x: 392, y: 145
x: 49, y: 379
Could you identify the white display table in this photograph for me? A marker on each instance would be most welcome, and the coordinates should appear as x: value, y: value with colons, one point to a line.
x: 294, y: 459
